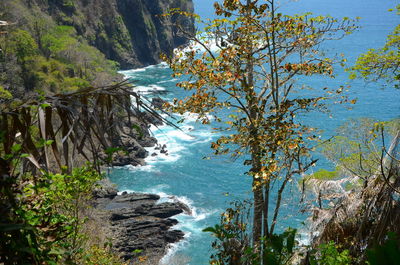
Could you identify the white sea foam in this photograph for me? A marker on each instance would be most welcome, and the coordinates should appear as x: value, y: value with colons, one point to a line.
x: 145, y: 168
x: 168, y: 81
x: 172, y: 154
x: 158, y: 189
x: 211, y: 45
x: 304, y: 239
x: 170, y: 257
x: 187, y: 220
x: 162, y: 65
x: 175, y: 142
x: 148, y: 89
x: 132, y: 71
x: 127, y: 190
x: 193, y: 117
x: 181, y: 135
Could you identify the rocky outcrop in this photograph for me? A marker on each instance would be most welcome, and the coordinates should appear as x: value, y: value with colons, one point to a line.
x: 131, y: 140
x: 137, y: 222
x: 158, y: 102
x: 131, y: 32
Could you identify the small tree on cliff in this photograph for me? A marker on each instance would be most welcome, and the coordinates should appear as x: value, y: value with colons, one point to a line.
x: 260, y: 52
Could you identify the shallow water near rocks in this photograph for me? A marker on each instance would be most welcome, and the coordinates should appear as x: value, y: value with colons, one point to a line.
x: 208, y: 186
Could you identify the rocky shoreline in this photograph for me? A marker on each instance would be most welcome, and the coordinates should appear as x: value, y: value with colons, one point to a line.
x: 137, y: 223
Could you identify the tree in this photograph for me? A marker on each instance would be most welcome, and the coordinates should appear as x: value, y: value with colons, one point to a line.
x: 252, y: 75
x: 361, y: 207
x: 382, y: 63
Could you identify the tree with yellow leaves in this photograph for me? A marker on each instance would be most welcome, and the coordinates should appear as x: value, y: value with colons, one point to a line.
x: 247, y: 61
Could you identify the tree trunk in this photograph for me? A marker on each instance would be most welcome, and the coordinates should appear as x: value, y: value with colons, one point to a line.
x: 258, y: 213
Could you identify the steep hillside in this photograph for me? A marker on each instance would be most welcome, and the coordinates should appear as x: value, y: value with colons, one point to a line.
x: 130, y: 32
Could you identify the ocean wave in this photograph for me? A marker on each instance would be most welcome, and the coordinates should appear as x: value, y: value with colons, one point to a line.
x: 171, y: 153
x: 145, y: 168
x: 173, y: 142
x: 158, y: 189
x: 170, y: 258
x: 211, y: 45
x: 127, y: 73
x: 196, y: 214
x: 168, y: 81
x: 148, y: 89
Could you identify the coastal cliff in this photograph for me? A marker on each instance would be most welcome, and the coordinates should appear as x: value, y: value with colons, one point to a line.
x: 81, y: 35
x: 59, y: 56
x: 130, y: 32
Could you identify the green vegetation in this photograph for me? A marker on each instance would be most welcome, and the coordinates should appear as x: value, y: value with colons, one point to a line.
x: 4, y: 94
x: 233, y: 244
x: 56, y: 61
x: 323, y: 174
x: 61, y: 103
x: 49, y: 214
x: 329, y: 254
x: 389, y: 252
x: 44, y: 191
x: 382, y: 63
x: 46, y: 223
x: 21, y: 43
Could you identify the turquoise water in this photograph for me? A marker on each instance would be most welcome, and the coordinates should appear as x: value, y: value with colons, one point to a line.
x: 204, y: 184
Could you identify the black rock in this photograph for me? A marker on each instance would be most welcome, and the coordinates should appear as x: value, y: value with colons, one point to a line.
x: 158, y: 102
x: 165, y: 210
x: 105, y: 189
x: 151, y: 118
x: 138, y: 222
x: 148, y: 141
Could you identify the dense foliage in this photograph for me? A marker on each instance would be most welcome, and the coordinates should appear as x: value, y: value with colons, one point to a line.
x: 61, y: 103
x: 57, y: 62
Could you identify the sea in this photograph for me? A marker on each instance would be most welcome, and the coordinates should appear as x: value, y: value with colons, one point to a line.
x: 209, y: 185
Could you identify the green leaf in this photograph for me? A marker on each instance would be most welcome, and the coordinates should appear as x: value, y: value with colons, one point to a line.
x: 16, y: 148
x: 137, y: 251
x: 45, y: 105
x: 49, y: 142
x: 210, y: 230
